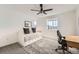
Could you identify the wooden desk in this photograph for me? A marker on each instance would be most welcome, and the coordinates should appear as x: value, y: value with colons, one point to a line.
x: 73, y: 41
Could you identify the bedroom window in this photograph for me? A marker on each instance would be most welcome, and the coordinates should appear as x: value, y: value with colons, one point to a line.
x: 52, y: 24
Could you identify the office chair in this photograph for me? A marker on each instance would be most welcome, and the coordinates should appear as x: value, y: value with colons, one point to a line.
x: 61, y: 40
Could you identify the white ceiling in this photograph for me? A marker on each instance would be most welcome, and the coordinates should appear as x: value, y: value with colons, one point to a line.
x: 25, y: 8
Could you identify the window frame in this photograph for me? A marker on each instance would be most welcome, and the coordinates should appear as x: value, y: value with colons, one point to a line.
x: 54, y: 23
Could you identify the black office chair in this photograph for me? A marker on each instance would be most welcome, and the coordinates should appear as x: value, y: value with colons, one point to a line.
x: 61, y: 40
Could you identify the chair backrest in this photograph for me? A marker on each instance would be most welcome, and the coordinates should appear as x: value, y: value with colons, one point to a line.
x: 59, y: 37
x: 59, y: 34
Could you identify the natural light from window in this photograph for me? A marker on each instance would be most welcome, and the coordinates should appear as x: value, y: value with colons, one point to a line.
x: 52, y: 24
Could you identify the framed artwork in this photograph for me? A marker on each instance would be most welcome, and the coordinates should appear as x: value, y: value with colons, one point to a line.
x: 27, y: 23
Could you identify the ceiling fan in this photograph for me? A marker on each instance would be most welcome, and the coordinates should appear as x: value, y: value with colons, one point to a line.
x: 41, y: 10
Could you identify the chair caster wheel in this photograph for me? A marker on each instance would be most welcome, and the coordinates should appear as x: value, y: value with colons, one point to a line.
x: 56, y: 50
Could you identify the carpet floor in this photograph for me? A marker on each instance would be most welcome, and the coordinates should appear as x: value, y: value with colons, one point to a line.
x: 42, y: 46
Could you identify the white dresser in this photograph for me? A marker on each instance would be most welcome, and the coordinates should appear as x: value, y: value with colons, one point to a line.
x: 26, y: 39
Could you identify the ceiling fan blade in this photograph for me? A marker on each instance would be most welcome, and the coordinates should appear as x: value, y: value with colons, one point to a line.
x: 44, y: 12
x: 48, y: 9
x: 38, y: 13
x: 34, y: 10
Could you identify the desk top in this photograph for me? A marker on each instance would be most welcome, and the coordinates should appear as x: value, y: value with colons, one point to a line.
x: 73, y: 38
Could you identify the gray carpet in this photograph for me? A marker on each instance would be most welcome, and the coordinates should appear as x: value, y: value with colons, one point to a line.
x: 42, y: 46
x: 46, y: 46
x: 12, y: 49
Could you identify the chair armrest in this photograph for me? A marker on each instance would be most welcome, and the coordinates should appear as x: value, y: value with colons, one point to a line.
x: 63, y: 37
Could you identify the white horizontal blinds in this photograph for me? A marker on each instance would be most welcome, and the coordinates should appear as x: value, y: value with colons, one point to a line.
x: 55, y: 24
x: 49, y: 24
x: 52, y: 24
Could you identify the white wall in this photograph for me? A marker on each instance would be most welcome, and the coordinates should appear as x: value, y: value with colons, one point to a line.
x: 12, y: 19
x: 66, y: 20
x: 67, y: 23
